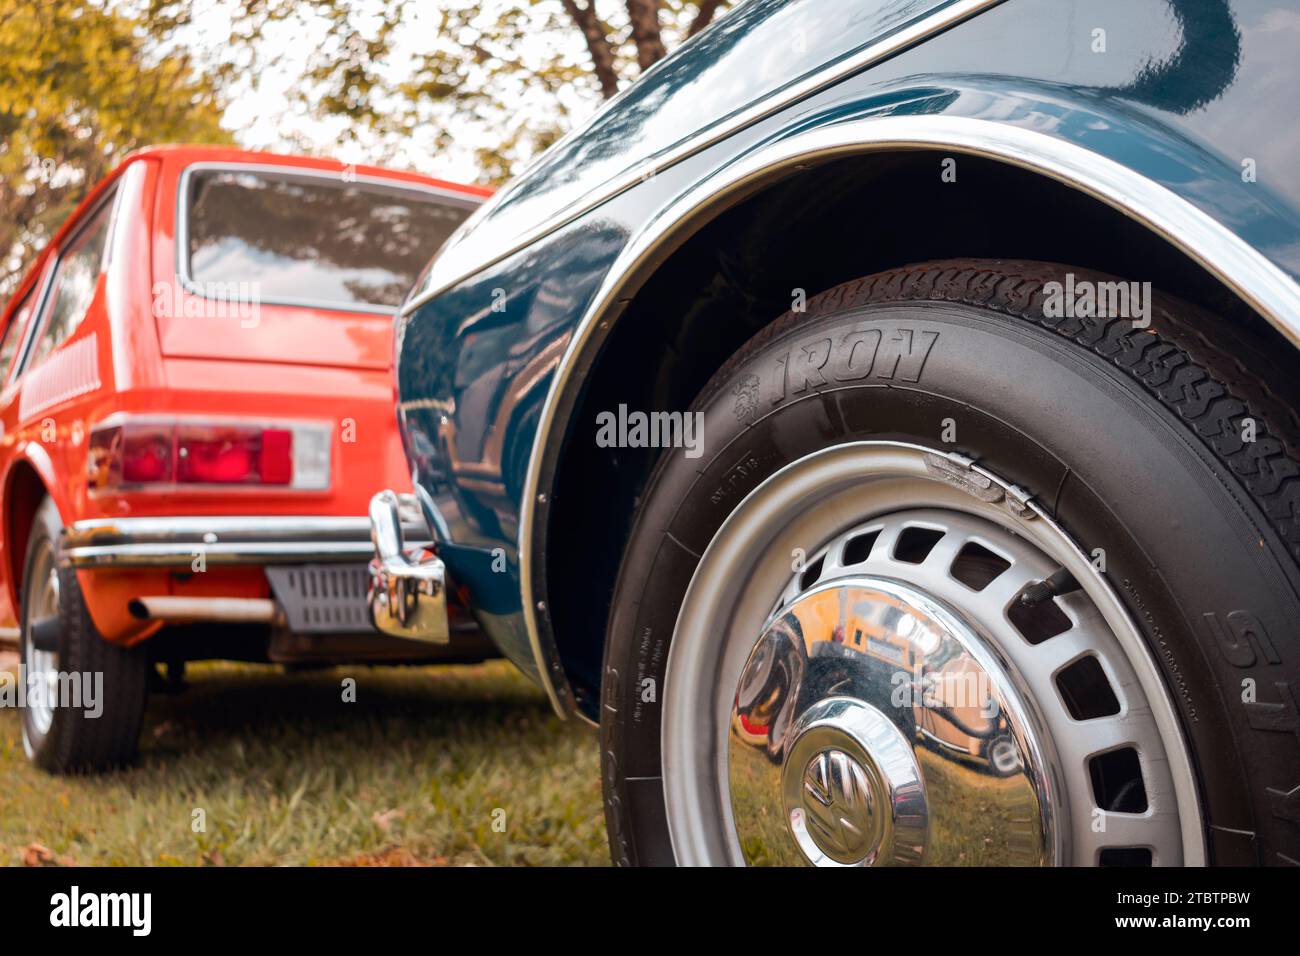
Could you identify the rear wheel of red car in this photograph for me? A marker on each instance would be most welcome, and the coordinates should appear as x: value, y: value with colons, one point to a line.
x: 961, y: 579
x: 85, y: 697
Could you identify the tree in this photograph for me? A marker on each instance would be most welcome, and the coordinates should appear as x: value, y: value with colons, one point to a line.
x: 80, y: 87
x: 509, y: 74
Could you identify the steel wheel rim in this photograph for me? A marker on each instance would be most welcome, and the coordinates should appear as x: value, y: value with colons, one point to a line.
x: 807, y: 505
x: 41, y: 666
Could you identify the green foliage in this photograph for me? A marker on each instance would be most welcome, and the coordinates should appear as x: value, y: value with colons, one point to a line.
x: 511, y: 74
x: 83, y: 82
x: 80, y: 87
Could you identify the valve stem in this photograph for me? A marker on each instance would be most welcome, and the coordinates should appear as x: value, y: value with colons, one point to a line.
x: 1061, y: 582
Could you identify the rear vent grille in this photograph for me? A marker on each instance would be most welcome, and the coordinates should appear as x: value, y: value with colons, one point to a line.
x: 322, y: 598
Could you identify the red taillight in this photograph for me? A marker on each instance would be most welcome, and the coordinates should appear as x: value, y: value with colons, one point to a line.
x: 217, y: 460
x: 276, y: 463
x: 191, y: 453
x: 147, y: 455
x: 225, y: 455
x: 135, y: 454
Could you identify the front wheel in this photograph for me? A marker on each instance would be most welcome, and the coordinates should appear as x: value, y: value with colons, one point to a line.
x: 968, y: 578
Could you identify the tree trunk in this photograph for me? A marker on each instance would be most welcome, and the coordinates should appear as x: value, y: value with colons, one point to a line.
x: 602, y: 55
x: 704, y: 16
x: 644, y: 15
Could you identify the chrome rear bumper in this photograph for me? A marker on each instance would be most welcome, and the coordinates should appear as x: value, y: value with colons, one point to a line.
x: 182, y: 542
x: 408, y: 592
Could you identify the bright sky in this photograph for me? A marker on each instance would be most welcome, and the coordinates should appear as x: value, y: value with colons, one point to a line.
x: 264, y: 113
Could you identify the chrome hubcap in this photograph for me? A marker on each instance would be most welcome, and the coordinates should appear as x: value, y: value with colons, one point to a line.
x: 896, y: 704
x: 886, y: 687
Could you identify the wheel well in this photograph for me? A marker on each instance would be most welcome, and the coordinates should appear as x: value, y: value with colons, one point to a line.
x: 809, y: 231
x: 23, y: 497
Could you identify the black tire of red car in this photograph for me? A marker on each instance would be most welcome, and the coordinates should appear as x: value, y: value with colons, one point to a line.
x: 1186, y: 382
x: 78, y: 740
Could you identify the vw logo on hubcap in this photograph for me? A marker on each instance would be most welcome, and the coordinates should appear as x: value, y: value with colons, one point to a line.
x: 852, y: 794
x: 838, y: 806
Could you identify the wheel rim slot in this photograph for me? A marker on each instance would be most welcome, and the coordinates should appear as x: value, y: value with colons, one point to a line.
x: 915, y: 544
x: 1086, y: 690
x: 977, y: 567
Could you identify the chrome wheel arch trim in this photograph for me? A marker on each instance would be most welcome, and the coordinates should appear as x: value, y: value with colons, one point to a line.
x: 1241, y: 267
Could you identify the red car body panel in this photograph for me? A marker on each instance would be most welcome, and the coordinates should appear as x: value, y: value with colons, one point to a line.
x: 130, y: 356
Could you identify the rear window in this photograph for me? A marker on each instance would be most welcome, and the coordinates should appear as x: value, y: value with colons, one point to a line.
x: 313, y: 240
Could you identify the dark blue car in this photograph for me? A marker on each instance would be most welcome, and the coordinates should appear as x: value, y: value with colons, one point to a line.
x: 883, y: 420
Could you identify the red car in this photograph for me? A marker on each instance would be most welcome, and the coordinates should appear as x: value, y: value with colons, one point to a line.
x: 196, y: 408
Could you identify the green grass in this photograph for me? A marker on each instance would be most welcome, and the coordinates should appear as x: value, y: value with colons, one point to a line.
x: 288, y: 774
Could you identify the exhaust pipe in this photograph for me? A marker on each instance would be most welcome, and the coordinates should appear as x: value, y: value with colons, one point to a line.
x: 179, y: 610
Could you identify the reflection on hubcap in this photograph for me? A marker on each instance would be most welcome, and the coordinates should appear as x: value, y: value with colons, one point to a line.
x: 869, y: 718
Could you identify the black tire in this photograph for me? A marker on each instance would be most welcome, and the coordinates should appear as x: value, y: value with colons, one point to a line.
x: 76, y: 740
x: 1133, y: 440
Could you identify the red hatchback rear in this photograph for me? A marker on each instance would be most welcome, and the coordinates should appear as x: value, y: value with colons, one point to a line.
x: 196, y: 408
